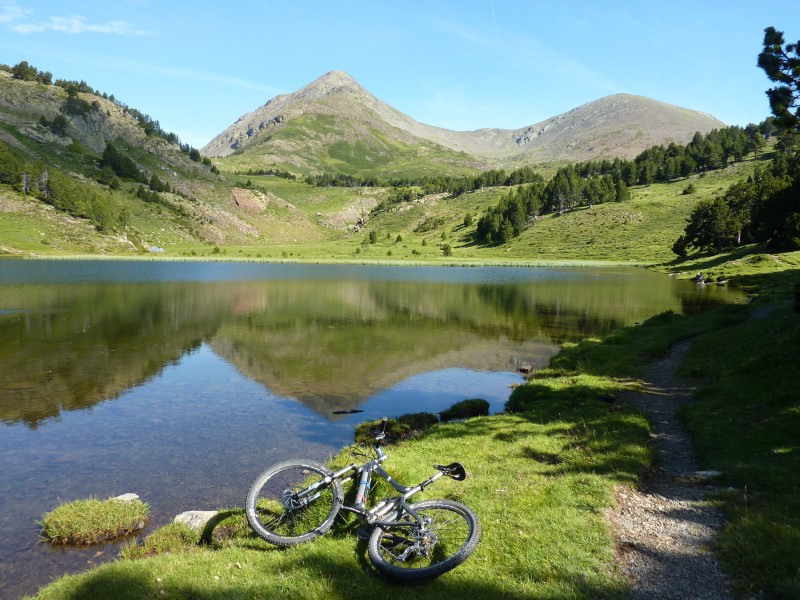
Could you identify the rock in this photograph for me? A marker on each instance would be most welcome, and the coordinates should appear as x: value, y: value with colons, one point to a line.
x: 129, y: 497
x: 195, y: 519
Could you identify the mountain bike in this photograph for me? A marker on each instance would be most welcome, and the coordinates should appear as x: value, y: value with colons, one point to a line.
x: 296, y: 501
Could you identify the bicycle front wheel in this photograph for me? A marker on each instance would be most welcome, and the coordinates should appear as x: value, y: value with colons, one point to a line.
x: 291, y: 503
x: 409, y: 550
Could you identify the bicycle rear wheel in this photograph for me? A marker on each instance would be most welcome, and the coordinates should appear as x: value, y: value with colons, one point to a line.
x: 407, y: 550
x: 290, y: 503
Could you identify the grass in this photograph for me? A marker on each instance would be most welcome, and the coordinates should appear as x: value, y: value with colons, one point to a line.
x: 303, y: 222
x: 90, y: 520
x: 465, y: 409
x: 746, y: 423
x: 751, y: 268
x: 640, y: 231
x: 170, y: 539
x: 544, y: 531
x: 744, y: 420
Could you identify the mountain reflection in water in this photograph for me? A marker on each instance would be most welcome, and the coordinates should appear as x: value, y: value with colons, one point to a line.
x: 330, y: 344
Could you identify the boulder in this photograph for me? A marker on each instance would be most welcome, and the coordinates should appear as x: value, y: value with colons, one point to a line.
x: 195, y: 519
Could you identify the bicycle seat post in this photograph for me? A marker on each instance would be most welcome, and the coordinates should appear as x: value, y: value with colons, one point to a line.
x: 363, y: 488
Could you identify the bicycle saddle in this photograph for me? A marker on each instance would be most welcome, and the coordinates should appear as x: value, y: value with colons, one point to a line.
x: 454, y: 470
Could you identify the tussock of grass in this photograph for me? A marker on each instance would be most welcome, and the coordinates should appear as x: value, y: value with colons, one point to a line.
x: 90, y: 520
x: 171, y: 538
x: 466, y: 409
x: 557, y: 388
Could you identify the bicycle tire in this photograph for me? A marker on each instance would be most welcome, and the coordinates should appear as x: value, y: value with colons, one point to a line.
x: 406, y: 552
x: 278, y: 515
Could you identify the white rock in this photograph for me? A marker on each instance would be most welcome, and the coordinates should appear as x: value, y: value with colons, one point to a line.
x: 195, y: 519
x: 129, y: 497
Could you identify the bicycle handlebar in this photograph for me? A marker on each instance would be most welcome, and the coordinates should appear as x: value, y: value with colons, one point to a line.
x: 380, y: 434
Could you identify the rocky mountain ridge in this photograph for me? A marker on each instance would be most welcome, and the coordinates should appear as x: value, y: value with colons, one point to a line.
x: 619, y: 125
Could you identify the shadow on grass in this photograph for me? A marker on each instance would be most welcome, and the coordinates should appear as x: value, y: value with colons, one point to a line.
x: 335, y: 578
x: 775, y: 286
x: 597, y: 438
x: 774, y: 567
x: 706, y: 260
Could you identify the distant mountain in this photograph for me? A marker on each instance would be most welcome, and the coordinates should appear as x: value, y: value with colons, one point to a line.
x: 621, y: 125
x: 334, y: 124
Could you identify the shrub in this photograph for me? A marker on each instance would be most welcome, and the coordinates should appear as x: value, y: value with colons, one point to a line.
x: 466, y: 409
x: 565, y: 390
x: 397, y: 429
x: 419, y: 421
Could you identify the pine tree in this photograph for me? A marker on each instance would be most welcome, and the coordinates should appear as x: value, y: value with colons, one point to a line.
x: 782, y: 65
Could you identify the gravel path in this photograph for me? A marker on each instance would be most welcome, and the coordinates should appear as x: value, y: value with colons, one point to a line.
x: 663, y: 531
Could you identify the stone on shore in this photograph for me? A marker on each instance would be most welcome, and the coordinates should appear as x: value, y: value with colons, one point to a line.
x: 195, y: 519
x: 129, y: 497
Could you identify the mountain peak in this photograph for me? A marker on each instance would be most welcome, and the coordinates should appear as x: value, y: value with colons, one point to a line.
x: 336, y: 77
x: 331, y: 83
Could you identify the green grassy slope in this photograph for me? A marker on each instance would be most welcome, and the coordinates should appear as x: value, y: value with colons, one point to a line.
x: 320, y: 143
x: 196, y: 210
x: 290, y: 219
x: 641, y: 230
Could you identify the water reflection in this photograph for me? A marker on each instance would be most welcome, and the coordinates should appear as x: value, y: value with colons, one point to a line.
x: 328, y: 343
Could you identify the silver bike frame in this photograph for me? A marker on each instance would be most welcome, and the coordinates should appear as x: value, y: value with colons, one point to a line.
x: 385, y: 507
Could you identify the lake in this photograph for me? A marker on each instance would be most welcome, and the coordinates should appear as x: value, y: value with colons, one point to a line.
x: 181, y: 381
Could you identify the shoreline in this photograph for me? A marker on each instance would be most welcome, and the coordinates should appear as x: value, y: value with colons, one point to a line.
x: 566, y: 263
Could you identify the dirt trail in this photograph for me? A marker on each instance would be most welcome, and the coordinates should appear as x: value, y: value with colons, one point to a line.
x: 665, y: 530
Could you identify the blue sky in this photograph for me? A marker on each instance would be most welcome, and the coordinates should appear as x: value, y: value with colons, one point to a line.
x: 197, y: 66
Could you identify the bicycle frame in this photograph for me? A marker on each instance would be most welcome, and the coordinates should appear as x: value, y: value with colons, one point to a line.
x: 386, y: 506
x: 400, y: 536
